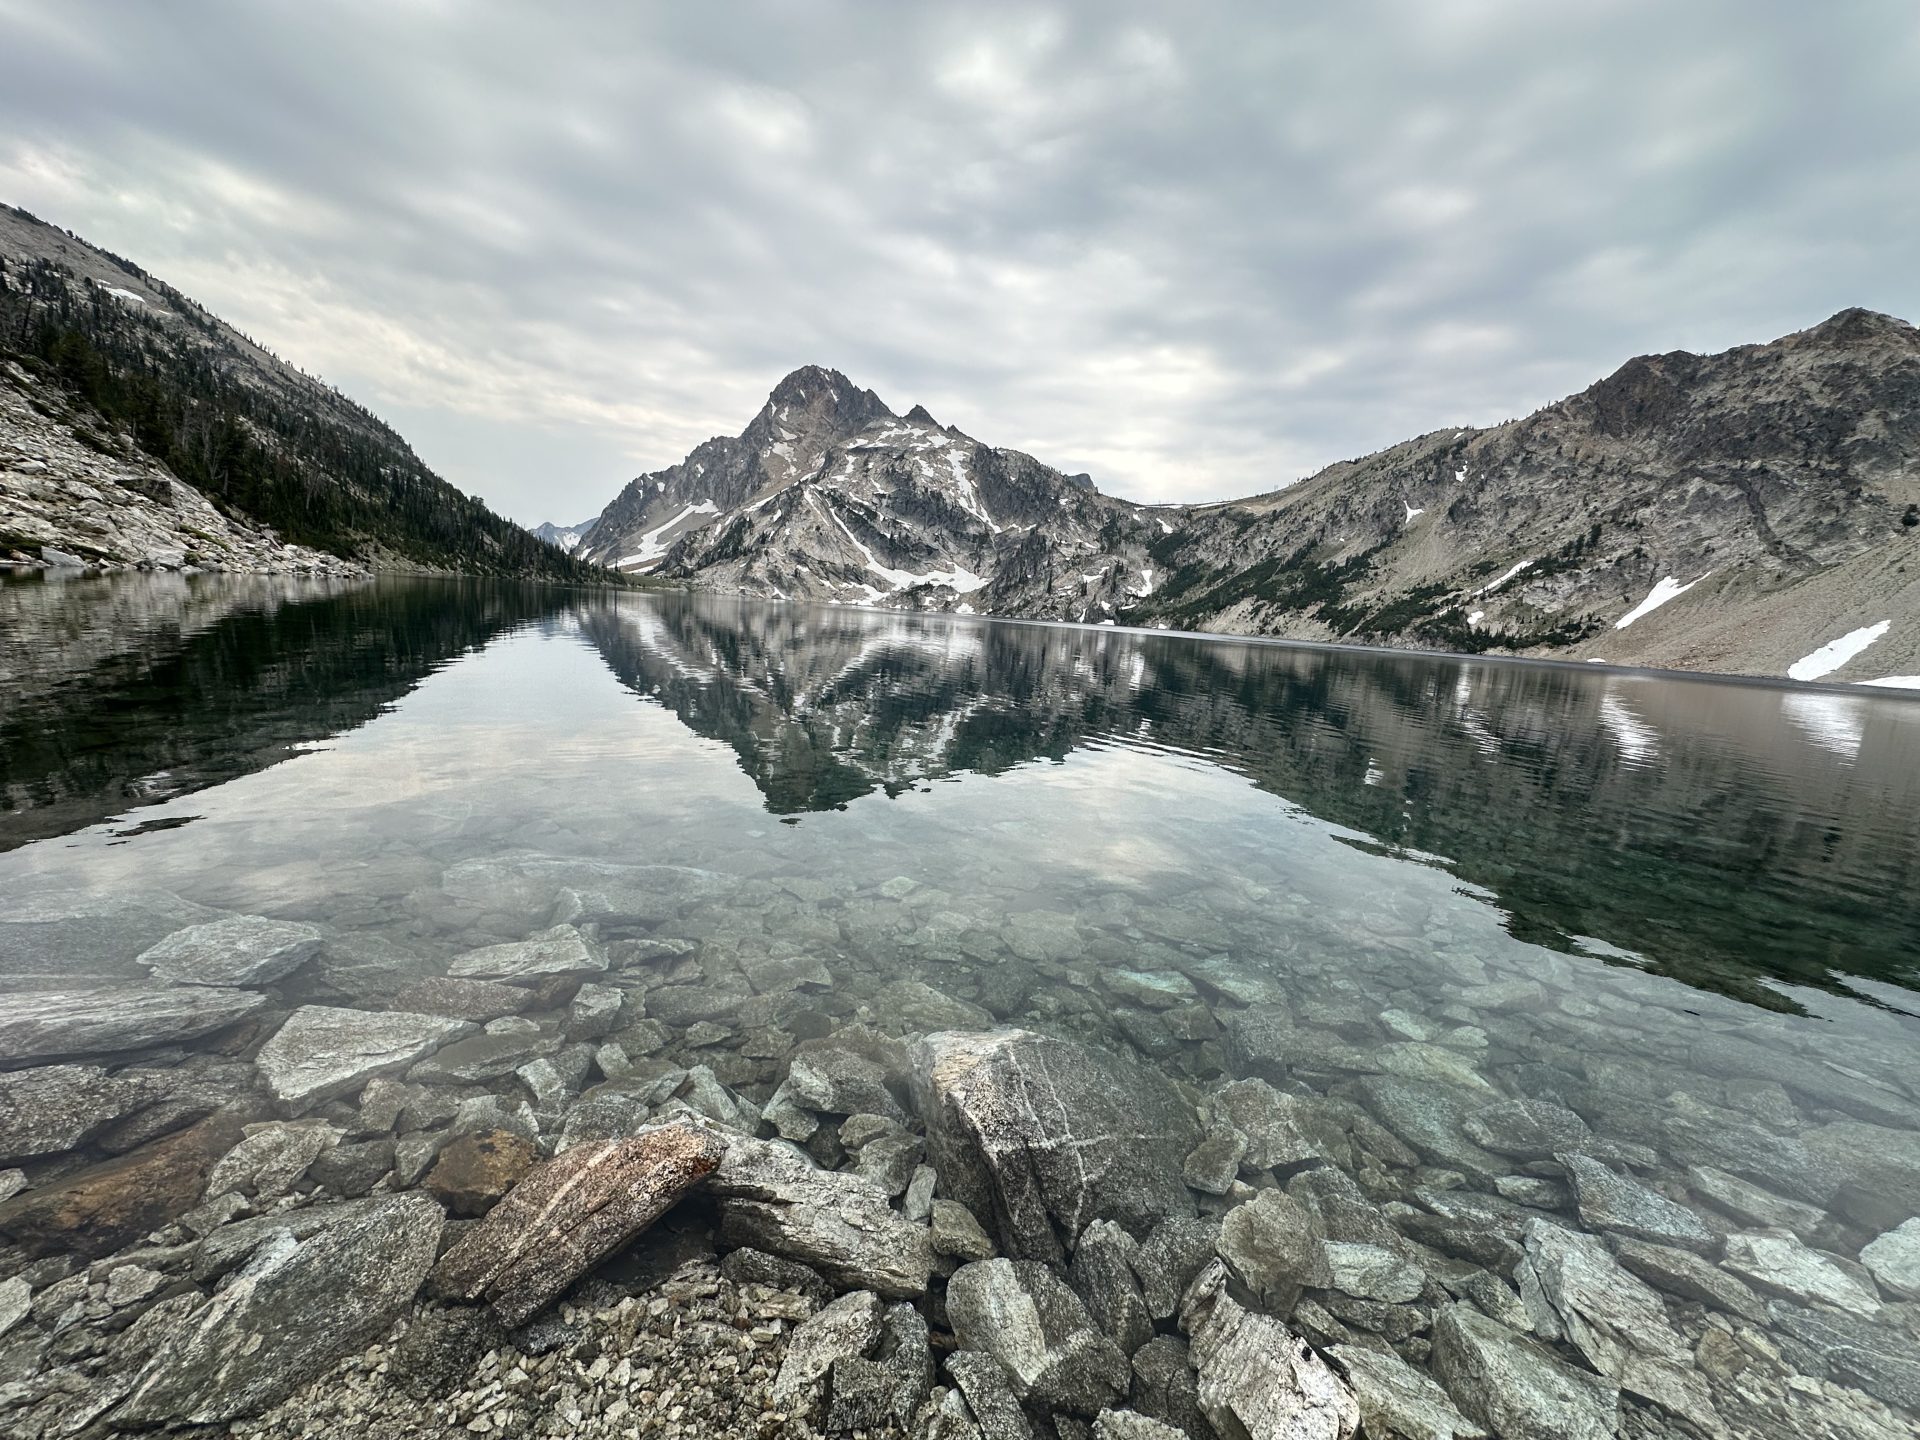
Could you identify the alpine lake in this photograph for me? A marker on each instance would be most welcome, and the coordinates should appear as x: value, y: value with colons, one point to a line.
x: 1537, y: 1043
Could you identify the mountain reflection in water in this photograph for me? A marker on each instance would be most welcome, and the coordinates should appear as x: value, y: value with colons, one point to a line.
x: 1740, y: 838
x: 1720, y: 833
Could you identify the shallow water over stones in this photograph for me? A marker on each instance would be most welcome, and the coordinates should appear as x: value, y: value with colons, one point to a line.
x: 1204, y: 993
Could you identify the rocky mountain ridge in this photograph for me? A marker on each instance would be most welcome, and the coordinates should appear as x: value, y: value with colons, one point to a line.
x: 1753, y: 511
x: 138, y: 430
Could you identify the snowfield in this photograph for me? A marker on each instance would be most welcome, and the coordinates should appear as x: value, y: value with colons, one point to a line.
x: 1663, y: 591
x: 1836, y: 653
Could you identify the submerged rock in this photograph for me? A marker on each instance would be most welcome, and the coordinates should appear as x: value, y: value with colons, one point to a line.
x: 869, y: 1393
x: 105, y: 1206
x: 475, y: 1000
x: 1608, y: 1200
x: 774, y: 1198
x: 562, y: 950
x: 1024, y: 1316
x: 1257, y: 1378
x: 1526, y: 1129
x: 287, y: 1315
x: 571, y: 1213
x: 1575, y: 1290
x: 1875, y: 1356
x: 1278, y: 1127
x: 1779, y: 1263
x: 1045, y: 1136
x: 1893, y: 1260
x: 321, y: 1052
x: 271, y: 1158
x: 53, y: 1108
x: 239, y: 950
x: 50, y: 1024
x: 1103, y: 1274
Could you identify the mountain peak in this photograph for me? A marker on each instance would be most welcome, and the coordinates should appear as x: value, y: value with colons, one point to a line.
x: 805, y: 384
x: 919, y: 413
x: 815, y: 400
x: 1856, y: 325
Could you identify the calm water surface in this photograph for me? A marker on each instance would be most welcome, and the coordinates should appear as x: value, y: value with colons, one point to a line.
x: 1689, y: 909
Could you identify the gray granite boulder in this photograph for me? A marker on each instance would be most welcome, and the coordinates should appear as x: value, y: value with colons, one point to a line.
x: 1256, y: 1377
x: 1398, y: 1402
x: 1279, y: 1127
x: 321, y: 1052
x: 285, y: 1317
x: 1526, y: 1129
x: 1024, y: 1316
x: 1516, y: 1388
x: 1103, y: 1275
x: 1275, y: 1246
x: 871, y: 1393
x: 271, y: 1158
x: 988, y: 1389
x: 238, y: 950
x: 848, y: 1327
x: 774, y: 1198
x: 1575, y: 1290
x: 1045, y: 1136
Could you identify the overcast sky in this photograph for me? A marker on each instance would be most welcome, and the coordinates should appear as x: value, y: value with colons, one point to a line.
x: 1198, y: 250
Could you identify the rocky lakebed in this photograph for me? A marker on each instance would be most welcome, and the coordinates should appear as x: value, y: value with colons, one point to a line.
x: 663, y: 1150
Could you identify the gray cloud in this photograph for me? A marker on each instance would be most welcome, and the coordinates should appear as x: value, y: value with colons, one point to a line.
x: 1197, y: 251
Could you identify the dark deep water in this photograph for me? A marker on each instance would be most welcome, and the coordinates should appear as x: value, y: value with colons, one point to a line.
x: 1687, y: 909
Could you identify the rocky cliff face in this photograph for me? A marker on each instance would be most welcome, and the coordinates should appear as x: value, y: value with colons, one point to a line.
x: 1752, y: 511
x: 138, y: 430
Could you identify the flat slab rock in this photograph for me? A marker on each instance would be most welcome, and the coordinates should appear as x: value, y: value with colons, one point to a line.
x: 53, y: 1108
x: 321, y: 1051
x: 1045, y: 1136
x: 292, y: 1310
x: 572, y: 1212
x: 562, y: 950
x: 237, y: 950
x: 53, y: 1024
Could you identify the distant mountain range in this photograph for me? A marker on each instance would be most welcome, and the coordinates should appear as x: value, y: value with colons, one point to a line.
x: 567, y: 537
x: 1756, y: 511
x: 136, y: 429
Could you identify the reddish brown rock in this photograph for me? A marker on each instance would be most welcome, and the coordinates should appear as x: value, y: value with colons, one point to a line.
x: 112, y: 1204
x: 571, y: 1213
x: 475, y: 1171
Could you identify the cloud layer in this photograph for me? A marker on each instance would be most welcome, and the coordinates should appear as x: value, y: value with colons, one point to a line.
x: 1198, y: 251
